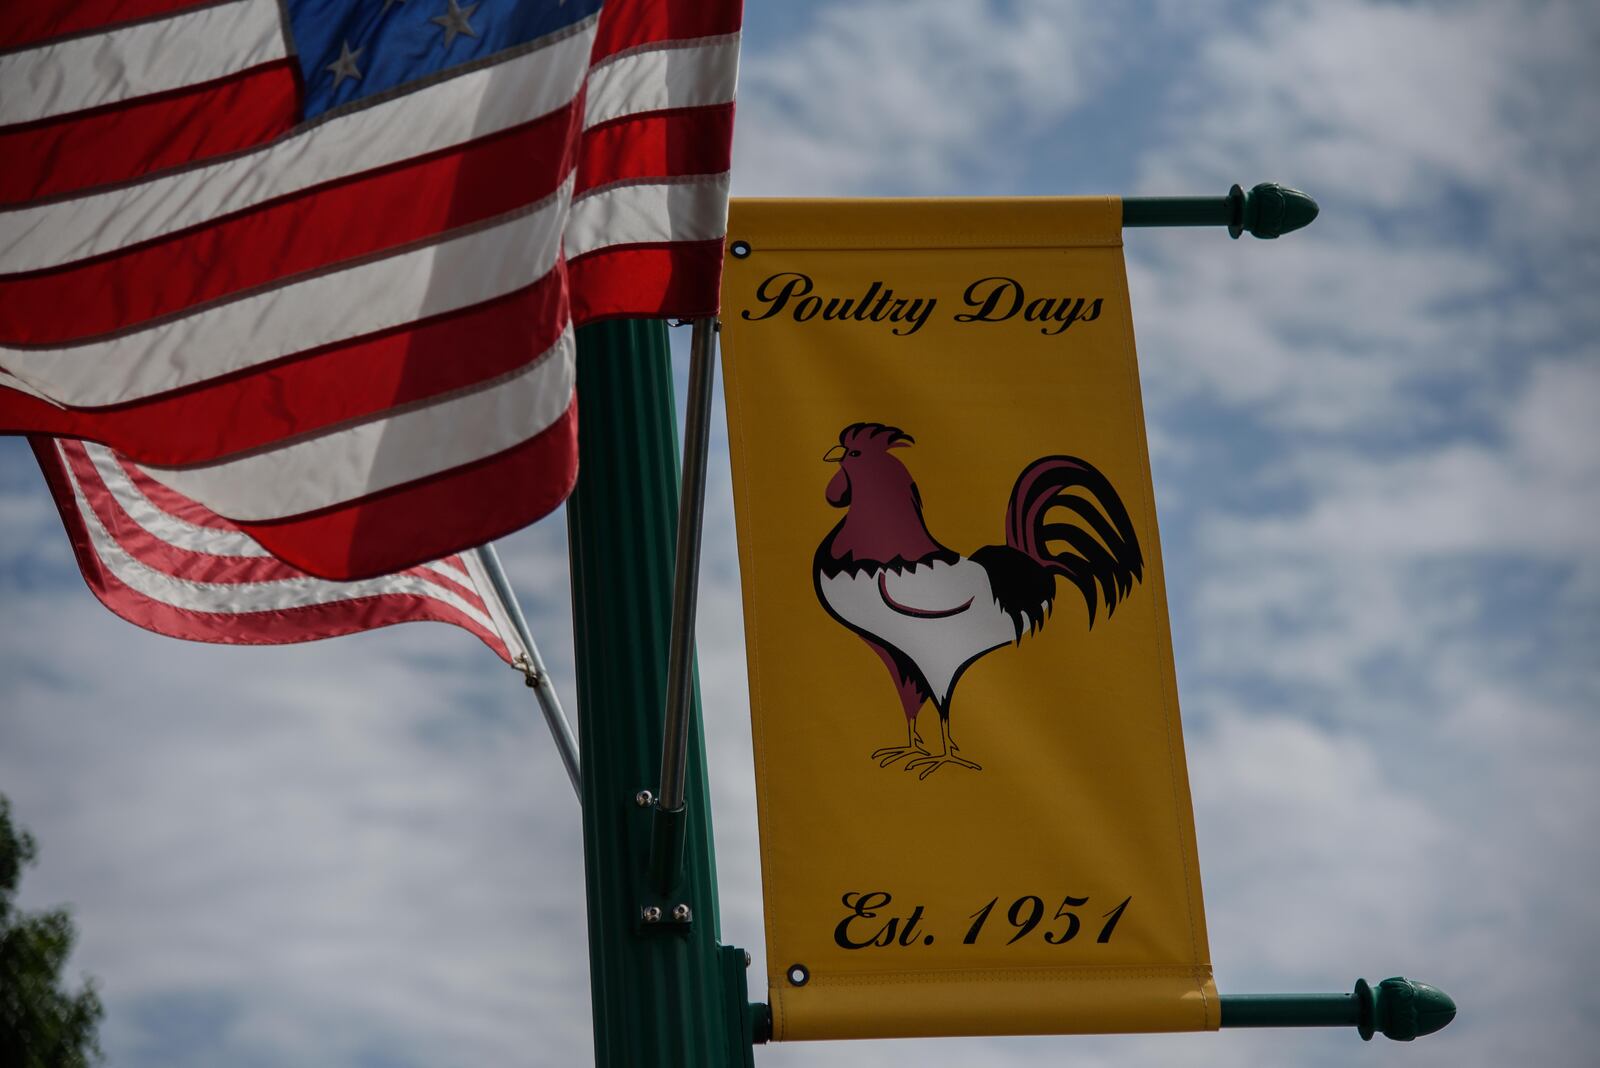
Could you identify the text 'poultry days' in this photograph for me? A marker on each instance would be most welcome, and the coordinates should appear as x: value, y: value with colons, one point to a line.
x: 995, y: 299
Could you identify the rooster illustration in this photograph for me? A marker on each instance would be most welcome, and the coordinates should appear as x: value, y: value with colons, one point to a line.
x: 930, y: 613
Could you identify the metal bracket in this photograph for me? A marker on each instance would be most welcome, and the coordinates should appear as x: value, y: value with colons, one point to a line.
x: 658, y: 912
x: 530, y: 674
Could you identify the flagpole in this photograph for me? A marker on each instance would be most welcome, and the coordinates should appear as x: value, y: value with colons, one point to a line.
x: 667, y: 832
x: 538, y: 676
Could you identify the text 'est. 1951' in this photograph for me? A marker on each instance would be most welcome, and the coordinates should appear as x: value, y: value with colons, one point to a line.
x: 869, y: 924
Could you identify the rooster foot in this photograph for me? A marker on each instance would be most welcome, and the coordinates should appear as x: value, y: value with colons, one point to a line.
x: 930, y: 764
x: 913, y: 747
x: 890, y: 753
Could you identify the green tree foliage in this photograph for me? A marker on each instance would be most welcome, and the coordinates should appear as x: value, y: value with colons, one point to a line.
x: 41, y: 1025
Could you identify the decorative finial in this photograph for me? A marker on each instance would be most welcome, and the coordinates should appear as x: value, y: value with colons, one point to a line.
x: 1269, y: 210
x: 1402, y: 1009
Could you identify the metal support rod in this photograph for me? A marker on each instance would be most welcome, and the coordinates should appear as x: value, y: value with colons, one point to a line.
x: 1397, y: 1008
x: 1267, y: 211
x: 538, y: 677
x: 666, y: 836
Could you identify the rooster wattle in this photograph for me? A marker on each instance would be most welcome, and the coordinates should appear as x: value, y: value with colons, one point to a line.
x: 929, y: 612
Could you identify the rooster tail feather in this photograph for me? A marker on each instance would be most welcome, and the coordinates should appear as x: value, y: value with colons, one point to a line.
x: 1093, y: 564
x: 1101, y: 557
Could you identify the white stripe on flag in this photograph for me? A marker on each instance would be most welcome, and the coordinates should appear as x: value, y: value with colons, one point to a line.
x: 627, y: 213
x: 96, y: 69
x: 338, y: 305
x: 238, y: 597
x: 11, y: 381
x: 457, y: 110
x: 355, y: 461
x: 162, y: 524
x: 450, y: 571
x: 674, y: 74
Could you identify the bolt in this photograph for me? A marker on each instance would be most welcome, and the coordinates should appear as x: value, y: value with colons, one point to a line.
x: 644, y: 798
x: 651, y: 914
x: 681, y: 914
x: 747, y: 958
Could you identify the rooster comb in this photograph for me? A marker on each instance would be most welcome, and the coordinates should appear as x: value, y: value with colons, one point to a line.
x: 860, y: 433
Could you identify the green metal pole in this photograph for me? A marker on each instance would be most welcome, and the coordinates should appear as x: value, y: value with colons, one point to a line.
x: 1398, y: 1008
x: 665, y: 994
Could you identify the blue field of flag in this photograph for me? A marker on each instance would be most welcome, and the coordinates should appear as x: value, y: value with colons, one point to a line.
x: 349, y: 49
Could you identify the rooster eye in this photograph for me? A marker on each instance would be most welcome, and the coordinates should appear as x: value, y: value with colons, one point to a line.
x: 855, y: 452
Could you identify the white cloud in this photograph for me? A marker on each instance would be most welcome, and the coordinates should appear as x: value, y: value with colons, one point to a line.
x: 1291, y: 806
x: 1396, y: 105
x: 1452, y: 249
x: 908, y: 95
x: 1533, y: 487
x: 1315, y: 333
x: 315, y: 836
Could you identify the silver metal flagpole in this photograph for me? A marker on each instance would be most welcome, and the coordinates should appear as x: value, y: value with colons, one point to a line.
x: 669, y: 827
x: 538, y: 677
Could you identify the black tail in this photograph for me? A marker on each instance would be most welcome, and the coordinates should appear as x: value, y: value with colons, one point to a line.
x: 1102, y: 561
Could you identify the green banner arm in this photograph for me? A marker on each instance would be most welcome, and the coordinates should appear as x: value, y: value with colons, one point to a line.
x: 1397, y: 1008
x: 1269, y: 210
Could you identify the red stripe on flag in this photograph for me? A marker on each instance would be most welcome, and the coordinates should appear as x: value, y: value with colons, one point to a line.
x: 276, y: 627
x: 445, y: 582
x: 460, y: 508
x: 174, y: 503
x: 183, y: 509
x: 319, y: 388
x: 465, y: 592
x: 639, y: 280
x: 23, y: 414
x: 124, y: 141
x: 23, y: 22
x: 158, y: 554
x: 624, y: 26
x: 665, y: 144
x: 329, y: 224
x: 284, y: 626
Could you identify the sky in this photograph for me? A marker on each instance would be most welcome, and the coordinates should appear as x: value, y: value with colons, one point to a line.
x: 1376, y: 455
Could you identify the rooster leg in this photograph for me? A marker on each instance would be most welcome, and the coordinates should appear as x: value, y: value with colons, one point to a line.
x: 913, y: 747
x: 933, y: 762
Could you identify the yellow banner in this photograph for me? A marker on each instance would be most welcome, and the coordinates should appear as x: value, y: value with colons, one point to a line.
x: 974, y: 808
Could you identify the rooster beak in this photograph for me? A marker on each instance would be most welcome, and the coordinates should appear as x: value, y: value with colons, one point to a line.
x: 834, y: 455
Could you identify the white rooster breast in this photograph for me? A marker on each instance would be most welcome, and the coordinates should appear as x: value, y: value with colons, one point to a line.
x: 940, y: 615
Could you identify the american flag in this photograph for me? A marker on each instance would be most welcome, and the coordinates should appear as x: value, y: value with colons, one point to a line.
x: 170, y: 565
x: 316, y: 264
